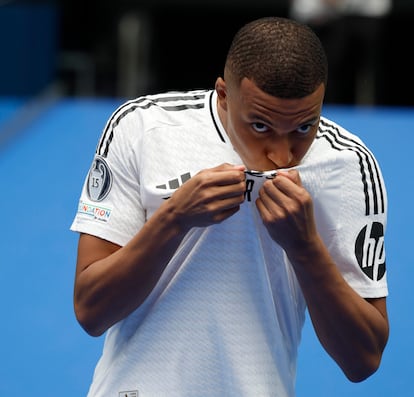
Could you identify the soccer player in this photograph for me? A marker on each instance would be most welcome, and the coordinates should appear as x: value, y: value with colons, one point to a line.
x: 211, y: 220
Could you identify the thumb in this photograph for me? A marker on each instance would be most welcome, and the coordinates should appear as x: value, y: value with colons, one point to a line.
x: 293, y: 175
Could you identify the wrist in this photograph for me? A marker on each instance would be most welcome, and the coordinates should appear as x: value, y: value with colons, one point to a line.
x: 308, y: 251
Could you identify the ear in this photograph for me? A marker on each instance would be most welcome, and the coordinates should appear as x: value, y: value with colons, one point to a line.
x: 221, y: 90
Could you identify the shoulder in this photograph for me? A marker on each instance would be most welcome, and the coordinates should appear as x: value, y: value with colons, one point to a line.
x: 131, y: 120
x: 345, y: 166
x: 346, y: 146
x: 338, y: 137
x: 173, y: 102
x: 342, y: 147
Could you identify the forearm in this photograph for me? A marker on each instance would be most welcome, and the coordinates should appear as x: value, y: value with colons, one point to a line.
x: 110, y: 288
x: 111, y: 282
x: 352, y: 330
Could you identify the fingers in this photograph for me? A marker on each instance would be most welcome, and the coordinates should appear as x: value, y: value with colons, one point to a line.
x: 211, y: 196
x: 227, y: 166
x: 284, y: 197
x: 286, y: 186
x: 291, y: 175
x: 224, y: 180
x: 224, y: 174
x: 286, y: 209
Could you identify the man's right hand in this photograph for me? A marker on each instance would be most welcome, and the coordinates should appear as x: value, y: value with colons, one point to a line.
x: 210, y: 196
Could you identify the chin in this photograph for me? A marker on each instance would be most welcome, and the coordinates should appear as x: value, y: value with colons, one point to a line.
x: 263, y: 167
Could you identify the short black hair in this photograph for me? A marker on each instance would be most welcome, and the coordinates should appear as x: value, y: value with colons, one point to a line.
x: 283, y: 57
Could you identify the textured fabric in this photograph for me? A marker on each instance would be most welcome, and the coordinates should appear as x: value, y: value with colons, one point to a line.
x: 225, y: 318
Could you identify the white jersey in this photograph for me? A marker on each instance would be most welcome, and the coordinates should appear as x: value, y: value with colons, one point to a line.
x: 225, y: 318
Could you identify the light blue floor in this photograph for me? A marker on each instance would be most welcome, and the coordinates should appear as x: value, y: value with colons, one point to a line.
x: 45, y: 352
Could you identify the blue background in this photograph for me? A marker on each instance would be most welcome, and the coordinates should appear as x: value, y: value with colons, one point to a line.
x: 42, y: 167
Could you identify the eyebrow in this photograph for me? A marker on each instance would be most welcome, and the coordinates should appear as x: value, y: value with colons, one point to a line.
x: 310, y: 121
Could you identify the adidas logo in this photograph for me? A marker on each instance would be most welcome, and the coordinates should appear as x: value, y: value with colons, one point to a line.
x: 174, y: 183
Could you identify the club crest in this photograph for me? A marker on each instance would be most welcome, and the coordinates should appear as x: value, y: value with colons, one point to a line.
x: 99, y: 179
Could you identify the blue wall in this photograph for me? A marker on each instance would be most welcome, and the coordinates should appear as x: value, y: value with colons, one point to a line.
x: 28, y: 45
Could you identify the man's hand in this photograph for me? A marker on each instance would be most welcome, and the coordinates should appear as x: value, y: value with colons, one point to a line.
x: 210, y: 196
x: 287, y: 210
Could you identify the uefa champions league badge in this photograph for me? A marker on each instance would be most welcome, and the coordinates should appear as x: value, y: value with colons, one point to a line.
x: 99, y: 179
x: 254, y: 181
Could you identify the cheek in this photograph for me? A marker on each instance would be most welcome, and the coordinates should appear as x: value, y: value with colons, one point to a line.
x: 250, y: 149
x: 238, y: 136
x: 252, y: 152
x: 300, y: 149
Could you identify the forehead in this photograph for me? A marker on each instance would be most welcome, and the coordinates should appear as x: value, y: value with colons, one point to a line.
x: 250, y: 99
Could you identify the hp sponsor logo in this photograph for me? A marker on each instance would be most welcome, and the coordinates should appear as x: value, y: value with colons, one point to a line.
x: 370, y: 250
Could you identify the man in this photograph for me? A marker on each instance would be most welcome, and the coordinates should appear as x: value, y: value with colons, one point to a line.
x: 198, y: 266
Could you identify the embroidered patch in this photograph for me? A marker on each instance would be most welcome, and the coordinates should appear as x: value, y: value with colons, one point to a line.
x: 99, y: 179
x: 93, y: 211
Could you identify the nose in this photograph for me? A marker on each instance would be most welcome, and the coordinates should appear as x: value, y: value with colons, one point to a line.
x: 280, y: 152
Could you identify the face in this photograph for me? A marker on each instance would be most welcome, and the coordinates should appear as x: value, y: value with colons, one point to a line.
x: 268, y: 132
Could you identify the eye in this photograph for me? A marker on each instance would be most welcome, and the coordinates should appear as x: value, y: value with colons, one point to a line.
x: 306, y: 128
x: 260, y: 127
